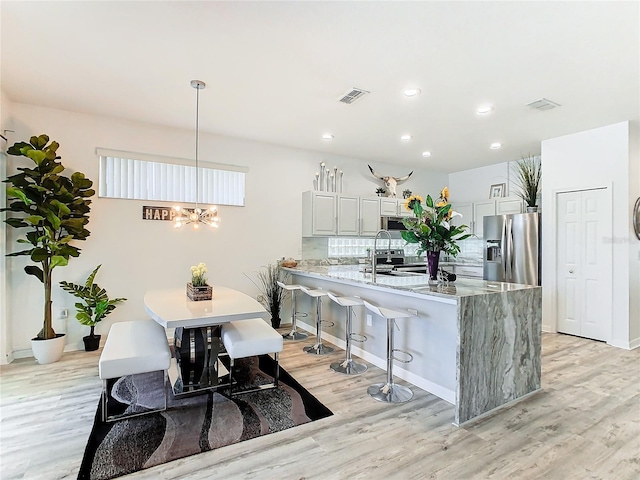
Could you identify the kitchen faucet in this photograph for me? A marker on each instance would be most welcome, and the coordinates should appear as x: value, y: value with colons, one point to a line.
x: 374, y: 255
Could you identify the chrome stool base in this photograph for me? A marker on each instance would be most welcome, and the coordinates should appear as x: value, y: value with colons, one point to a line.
x: 390, y: 393
x: 349, y: 367
x: 318, y: 349
x: 295, y: 336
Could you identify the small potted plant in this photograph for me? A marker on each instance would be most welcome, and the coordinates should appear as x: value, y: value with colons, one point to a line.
x: 272, y: 294
x: 406, y: 193
x: 54, y: 210
x: 528, y: 173
x: 95, y: 305
x: 381, y: 191
x: 197, y: 288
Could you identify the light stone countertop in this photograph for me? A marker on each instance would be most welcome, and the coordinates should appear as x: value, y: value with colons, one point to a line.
x: 415, y: 284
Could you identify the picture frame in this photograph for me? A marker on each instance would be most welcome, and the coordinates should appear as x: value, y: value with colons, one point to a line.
x: 497, y: 190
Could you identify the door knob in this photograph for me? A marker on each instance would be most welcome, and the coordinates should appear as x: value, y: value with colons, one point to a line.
x: 570, y: 271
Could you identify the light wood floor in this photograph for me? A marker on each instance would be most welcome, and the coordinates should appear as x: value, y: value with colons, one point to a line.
x: 585, y: 424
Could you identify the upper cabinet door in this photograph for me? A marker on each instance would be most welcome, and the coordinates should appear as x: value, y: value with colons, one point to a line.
x: 348, y: 215
x: 324, y: 214
x: 466, y: 210
x: 508, y: 205
x: 388, y: 207
x: 319, y: 213
x: 369, y: 216
x: 481, y: 210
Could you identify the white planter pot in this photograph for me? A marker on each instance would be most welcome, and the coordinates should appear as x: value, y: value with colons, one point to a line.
x: 48, y: 351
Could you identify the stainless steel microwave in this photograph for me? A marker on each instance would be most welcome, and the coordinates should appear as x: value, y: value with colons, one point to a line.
x: 392, y: 224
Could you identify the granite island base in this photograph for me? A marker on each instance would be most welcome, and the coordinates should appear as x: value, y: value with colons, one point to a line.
x: 476, y: 344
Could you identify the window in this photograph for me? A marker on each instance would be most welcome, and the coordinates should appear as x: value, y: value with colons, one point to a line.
x: 170, y: 180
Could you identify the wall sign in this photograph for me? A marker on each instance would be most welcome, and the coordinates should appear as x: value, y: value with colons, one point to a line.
x: 158, y: 213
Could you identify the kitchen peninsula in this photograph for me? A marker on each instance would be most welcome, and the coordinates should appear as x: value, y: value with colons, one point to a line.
x: 475, y: 343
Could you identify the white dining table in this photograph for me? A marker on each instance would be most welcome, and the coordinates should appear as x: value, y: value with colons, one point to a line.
x: 172, y: 308
x: 196, y: 365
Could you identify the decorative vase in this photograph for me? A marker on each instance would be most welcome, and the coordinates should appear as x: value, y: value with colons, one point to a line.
x: 48, y: 351
x: 196, y: 294
x: 433, y: 259
x: 91, y: 343
x: 532, y: 209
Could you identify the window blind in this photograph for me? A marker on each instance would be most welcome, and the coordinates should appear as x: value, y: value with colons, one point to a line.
x: 168, y: 182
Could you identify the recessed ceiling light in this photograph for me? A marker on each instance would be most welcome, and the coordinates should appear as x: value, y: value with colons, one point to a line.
x: 411, y: 92
x: 406, y: 137
x: 484, y: 109
x: 327, y: 136
x: 426, y: 154
x: 495, y: 146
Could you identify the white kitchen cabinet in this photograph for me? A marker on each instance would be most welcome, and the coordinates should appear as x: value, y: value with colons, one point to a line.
x: 466, y: 210
x: 369, y: 216
x: 468, y: 271
x: 326, y: 214
x: 393, y: 207
x: 319, y: 214
x: 509, y: 205
x: 481, y: 210
x: 348, y: 215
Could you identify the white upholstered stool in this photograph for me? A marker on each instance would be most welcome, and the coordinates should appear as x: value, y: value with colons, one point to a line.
x: 318, y: 348
x: 390, y: 392
x: 133, y: 347
x: 348, y: 366
x: 293, y: 334
x: 248, y: 338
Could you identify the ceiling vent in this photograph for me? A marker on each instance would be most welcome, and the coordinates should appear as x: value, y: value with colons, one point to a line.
x: 543, y: 104
x: 353, y: 95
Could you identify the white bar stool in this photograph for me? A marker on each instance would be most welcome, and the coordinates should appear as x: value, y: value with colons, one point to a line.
x: 348, y: 366
x: 390, y: 392
x: 318, y: 348
x: 293, y: 335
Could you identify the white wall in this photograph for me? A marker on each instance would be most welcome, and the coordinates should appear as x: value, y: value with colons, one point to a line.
x: 139, y: 255
x: 474, y: 185
x: 590, y: 159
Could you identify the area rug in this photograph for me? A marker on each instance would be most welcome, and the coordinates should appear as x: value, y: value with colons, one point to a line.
x: 194, y: 424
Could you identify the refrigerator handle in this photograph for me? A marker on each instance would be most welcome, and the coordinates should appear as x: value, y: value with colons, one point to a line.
x: 503, y: 243
x: 510, y: 265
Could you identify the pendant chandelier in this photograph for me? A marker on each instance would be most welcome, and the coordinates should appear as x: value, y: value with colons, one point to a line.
x: 196, y: 216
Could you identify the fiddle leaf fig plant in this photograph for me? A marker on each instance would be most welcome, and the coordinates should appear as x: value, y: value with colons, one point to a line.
x: 54, y: 210
x: 95, y: 304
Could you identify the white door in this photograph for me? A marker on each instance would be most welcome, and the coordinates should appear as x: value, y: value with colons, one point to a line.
x: 348, y: 215
x: 584, y: 258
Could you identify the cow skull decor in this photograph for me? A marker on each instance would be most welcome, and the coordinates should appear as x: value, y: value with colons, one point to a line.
x: 390, y: 182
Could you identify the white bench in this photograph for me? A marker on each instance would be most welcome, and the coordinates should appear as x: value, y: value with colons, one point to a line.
x: 247, y: 338
x: 133, y: 347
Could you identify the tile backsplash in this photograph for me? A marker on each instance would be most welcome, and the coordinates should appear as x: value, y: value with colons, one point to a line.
x: 319, y: 248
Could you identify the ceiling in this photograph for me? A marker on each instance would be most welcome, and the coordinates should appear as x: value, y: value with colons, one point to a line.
x: 275, y: 71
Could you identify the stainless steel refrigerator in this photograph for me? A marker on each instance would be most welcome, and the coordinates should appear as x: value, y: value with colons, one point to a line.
x: 512, y: 248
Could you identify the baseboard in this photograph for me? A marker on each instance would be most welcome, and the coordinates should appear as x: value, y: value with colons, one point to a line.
x: 27, y: 352
x: 635, y: 343
x: 497, y: 409
x: 412, y: 378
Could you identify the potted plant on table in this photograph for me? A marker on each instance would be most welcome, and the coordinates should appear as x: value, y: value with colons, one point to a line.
x: 95, y: 305
x: 55, y: 211
x: 430, y: 227
x: 528, y: 174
